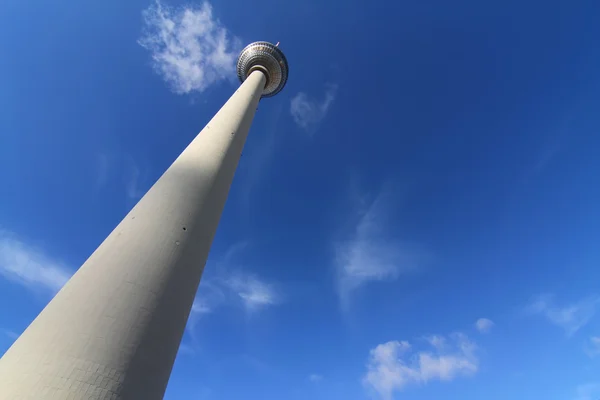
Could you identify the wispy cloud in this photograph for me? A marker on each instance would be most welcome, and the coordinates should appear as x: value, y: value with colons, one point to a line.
x: 592, y: 347
x: 588, y: 391
x: 29, y: 266
x: 570, y: 317
x: 201, y: 307
x: 315, y: 378
x: 131, y: 182
x: 394, y: 365
x: 190, y: 47
x: 484, y: 325
x: 9, y: 334
x: 308, y: 112
x: 132, y: 173
x: 134, y: 179
x: 254, y: 293
x: 233, y: 251
x: 545, y: 155
x: 216, y: 294
x: 209, y: 297
x: 236, y: 283
x: 230, y: 287
x: 186, y: 349
x: 370, y: 254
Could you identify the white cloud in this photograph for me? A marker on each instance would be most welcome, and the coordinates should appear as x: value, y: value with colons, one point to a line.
x: 229, y: 288
x: 437, y: 341
x: 186, y: 349
x: 200, y: 307
x: 394, y: 365
x: 484, y: 325
x: 30, y: 266
x: 9, y: 334
x: 135, y: 179
x: 190, y: 48
x: 208, y: 298
x: 592, y: 347
x: 233, y: 289
x: 309, y: 112
x: 254, y: 293
x: 570, y: 317
x: 132, y: 177
x: 236, y: 288
x: 315, y: 378
x: 588, y: 391
x: 369, y: 254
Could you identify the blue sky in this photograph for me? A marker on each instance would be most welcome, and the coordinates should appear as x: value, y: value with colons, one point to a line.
x: 415, y: 216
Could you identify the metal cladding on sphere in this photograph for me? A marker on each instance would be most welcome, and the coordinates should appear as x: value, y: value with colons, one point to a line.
x: 267, y: 58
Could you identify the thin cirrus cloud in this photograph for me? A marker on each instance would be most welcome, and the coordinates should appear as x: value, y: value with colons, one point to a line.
x: 200, y: 306
x: 484, y: 325
x: 30, y: 266
x: 229, y: 288
x: 134, y: 179
x: 592, y: 347
x: 371, y: 255
x: 245, y: 289
x: 254, y: 293
x: 570, y: 317
x: 190, y: 47
x: 588, y: 391
x: 308, y: 112
x: 9, y: 333
x: 208, y: 298
x: 394, y: 365
x: 134, y: 175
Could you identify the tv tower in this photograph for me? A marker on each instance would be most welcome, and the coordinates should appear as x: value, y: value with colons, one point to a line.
x: 114, y: 329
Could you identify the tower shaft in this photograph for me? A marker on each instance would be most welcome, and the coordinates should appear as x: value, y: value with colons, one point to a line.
x: 113, y: 331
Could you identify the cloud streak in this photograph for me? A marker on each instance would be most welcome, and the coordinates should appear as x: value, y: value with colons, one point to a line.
x: 30, y: 266
x: 394, y: 365
x: 254, y: 293
x: 484, y: 325
x: 9, y: 334
x: 588, y: 391
x: 308, y: 112
x: 135, y: 179
x: 592, y: 348
x: 369, y: 254
x: 231, y: 288
x: 570, y: 317
x: 190, y: 47
x: 208, y: 298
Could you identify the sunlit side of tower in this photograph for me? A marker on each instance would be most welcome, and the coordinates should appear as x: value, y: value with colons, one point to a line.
x: 113, y: 331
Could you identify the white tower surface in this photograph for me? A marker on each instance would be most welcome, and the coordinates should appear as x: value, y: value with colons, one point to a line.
x: 113, y: 331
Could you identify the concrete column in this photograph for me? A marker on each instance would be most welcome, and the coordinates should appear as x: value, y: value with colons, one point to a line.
x: 114, y: 329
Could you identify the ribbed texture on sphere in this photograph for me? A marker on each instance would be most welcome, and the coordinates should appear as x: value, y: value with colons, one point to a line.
x: 271, y: 58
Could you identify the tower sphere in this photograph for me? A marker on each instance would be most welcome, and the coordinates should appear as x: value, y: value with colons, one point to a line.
x: 267, y: 58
